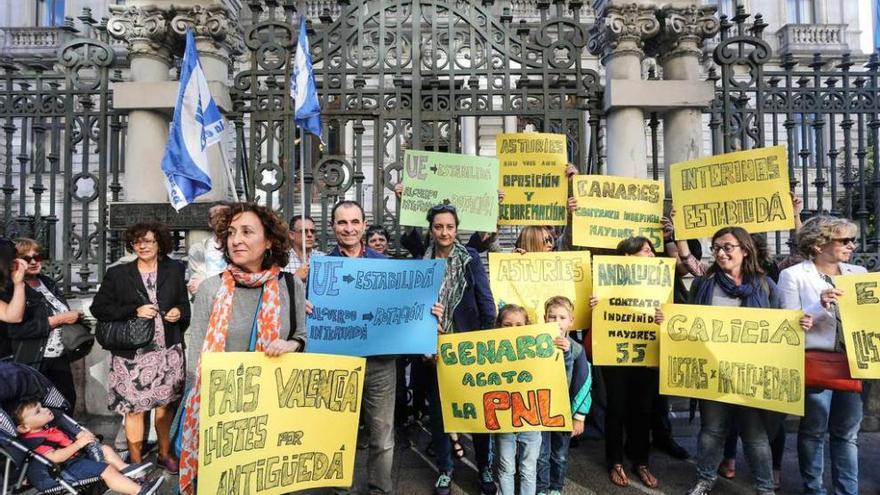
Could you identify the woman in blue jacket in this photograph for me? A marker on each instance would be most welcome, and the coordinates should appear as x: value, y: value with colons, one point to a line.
x: 468, y: 305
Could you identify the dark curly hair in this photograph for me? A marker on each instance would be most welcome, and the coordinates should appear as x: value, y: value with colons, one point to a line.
x: 274, y: 228
x: 140, y: 230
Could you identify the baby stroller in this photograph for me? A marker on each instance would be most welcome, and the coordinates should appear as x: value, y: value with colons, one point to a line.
x: 20, y: 382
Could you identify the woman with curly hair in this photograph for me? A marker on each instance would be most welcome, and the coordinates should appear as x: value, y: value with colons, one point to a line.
x: 149, y: 378
x: 252, y: 306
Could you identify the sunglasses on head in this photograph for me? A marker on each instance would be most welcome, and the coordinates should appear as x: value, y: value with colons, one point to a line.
x: 441, y: 208
x: 35, y: 258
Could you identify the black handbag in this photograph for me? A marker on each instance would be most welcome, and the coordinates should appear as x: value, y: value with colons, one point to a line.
x: 126, y: 335
x: 77, y: 341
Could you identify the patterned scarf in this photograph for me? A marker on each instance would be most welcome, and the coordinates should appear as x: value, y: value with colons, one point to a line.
x: 454, y: 282
x: 268, y: 325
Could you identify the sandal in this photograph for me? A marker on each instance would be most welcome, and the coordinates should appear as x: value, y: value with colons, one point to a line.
x: 646, y: 477
x: 618, y: 476
x: 458, y: 449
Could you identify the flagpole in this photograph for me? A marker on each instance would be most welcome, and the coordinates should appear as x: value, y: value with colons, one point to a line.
x: 302, y: 190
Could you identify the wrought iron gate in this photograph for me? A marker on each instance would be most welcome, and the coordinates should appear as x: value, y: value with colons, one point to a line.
x: 825, y: 111
x: 422, y: 74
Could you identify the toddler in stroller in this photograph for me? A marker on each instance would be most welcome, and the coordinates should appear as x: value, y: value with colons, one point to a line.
x: 33, y: 420
x: 51, y: 448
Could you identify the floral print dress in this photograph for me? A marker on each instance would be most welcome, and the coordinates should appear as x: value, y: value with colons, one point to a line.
x: 155, y: 376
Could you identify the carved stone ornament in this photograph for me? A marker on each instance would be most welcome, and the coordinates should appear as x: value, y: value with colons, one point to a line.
x: 684, y: 29
x: 623, y: 29
x: 145, y: 30
x: 215, y: 23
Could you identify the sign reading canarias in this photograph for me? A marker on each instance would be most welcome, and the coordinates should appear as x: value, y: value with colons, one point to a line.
x: 504, y: 380
x: 263, y: 422
x: 749, y: 189
x: 860, y: 315
x: 610, y: 209
x: 532, y: 178
x: 529, y: 279
x: 629, y: 289
x: 746, y: 356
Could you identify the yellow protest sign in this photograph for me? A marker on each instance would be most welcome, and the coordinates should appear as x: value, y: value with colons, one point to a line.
x: 610, y: 209
x: 746, y: 356
x: 629, y: 289
x: 860, y: 314
x: 532, y: 178
x: 529, y: 279
x: 505, y: 380
x: 263, y: 422
x: 748, y: 189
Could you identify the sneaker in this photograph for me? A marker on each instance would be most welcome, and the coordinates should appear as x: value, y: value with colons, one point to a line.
x: 487, y: 482
x: 701, y: 488
x: 443, y: 485
x: 137, y: 470
x: 151, y: 487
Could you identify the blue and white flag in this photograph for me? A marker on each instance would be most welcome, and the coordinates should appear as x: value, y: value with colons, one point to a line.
x: 307, y: 113
x: 197, y: 125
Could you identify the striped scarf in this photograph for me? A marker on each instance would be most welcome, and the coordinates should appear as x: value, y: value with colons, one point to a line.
x: 268, y: 325
x: 454, y: 282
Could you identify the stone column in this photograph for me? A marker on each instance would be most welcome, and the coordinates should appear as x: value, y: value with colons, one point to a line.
x: 678, y: 51
x: 618, y: 36
x: 145, y: 30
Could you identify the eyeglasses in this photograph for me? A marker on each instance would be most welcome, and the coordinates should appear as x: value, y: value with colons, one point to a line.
x: 144, y: 242
x: 727, y: 248
x: 35, y: 258
x: 846, y: 240
x: 548, y: 240
x: 307, y: 231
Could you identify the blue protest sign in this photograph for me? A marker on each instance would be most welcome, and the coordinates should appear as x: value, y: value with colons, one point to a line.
x: 369, y: 307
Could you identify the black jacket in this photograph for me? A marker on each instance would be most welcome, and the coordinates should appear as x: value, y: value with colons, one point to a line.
x: 28, y: 338
x: 122, y: 292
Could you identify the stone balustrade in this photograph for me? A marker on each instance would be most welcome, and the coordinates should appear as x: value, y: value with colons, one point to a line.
x: 812, y: 38
x: 32, y: 41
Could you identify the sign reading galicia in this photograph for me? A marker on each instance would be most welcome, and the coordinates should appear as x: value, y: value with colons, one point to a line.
x: 746, y: 356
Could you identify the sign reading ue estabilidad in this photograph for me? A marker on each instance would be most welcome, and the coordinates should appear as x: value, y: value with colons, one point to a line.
x: 860, y: 315
x: 748, y: 189
x: 470, y: 183
x: 504, y: 380
x: 369, y: 307
x: 263, y: 422
x: 532, y: 178
x: 746, y: 356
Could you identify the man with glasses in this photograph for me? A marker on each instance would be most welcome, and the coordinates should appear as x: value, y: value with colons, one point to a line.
x: 302, y: 228
x: 380, y: 380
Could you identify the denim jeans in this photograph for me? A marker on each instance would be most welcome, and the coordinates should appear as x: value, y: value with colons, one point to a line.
x: 716, y: 419
x: 440, y: 439
x: 840, y: 415
x: 528, y: 445
x: 380, y: 381
x: 553, y: 461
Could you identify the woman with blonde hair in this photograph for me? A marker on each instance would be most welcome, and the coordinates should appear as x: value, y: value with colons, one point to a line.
x: 828, y: 243
x: 534, y: 239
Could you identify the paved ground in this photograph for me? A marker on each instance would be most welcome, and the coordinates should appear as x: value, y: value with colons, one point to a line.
x: 415, y: 473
